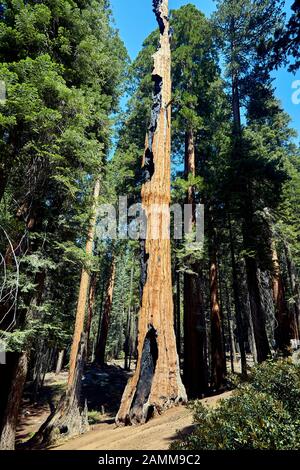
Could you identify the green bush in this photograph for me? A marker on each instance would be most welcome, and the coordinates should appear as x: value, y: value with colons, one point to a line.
x: 261, y: 414
x: 281, y: 380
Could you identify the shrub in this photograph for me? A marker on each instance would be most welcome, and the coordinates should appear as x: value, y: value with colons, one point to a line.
x: 281, y: 380
x: 262, y: 414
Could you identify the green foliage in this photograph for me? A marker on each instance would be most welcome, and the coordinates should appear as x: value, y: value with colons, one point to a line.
x: 63, y: 65
x: 262, y: 414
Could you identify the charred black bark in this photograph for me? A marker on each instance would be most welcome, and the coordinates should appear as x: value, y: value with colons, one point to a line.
x: 156, y: 9
x: 144, y: 258
x: 148, y: 365
x: 148, y: 167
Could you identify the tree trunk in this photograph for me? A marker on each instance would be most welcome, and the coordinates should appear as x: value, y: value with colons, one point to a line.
x: 70, y: 418
x: 101, y: 346
x: 284, y: 327
x: 218, y: 361
x: 10, y: 419
x: 294, y: 287
x: 16, y: 374
x: 127, y: 343
x: 195, y: 341
x: 178, y: 314
x: 256, y: 308
x: 83, y: 291
x: 156, y: 384
x: 195, y: 365
x: 60, y: 361
x: 237, y: 302
x: 91, y: 305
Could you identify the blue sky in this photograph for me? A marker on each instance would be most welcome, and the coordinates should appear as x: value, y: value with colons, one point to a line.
x: 135, y: 20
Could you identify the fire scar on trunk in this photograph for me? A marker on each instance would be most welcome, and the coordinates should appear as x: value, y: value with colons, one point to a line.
x: 156, y: 384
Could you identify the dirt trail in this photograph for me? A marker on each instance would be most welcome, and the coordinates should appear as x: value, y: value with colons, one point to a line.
x: 157, y: 434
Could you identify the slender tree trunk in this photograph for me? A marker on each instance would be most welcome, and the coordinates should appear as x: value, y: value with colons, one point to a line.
x: 91, y: 305
x: 156, y: 383
x: 83, y: 291
x: 284, y: 320
x: 218, y: 364
x: 60, y: 361
x: 233, y: 356
x: 101, y: 346
x: 70, y: 416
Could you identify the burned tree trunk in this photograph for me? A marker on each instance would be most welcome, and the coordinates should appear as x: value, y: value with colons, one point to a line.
x: 101, y: 346
x: 156, y: 384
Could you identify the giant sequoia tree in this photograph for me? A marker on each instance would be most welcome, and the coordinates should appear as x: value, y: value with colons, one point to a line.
x: 156, y: 383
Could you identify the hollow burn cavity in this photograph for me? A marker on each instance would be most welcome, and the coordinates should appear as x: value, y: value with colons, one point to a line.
x: 149, y: 166
x: 144, y: 258
x: 63, y: 429
x: 148, y: 366
x: 156, y: 9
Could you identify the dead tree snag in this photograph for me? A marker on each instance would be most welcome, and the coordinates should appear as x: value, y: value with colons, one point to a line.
x: 156, y: 384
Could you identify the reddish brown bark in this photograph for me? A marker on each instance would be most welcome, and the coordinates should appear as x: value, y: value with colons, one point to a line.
x: 83, y: 291
x: 9, y: 423
x: 156, y: 383
x: 91, y: 305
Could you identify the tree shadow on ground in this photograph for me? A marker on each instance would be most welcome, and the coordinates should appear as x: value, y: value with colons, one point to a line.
x: 103, y: 388
x: 183, y: 433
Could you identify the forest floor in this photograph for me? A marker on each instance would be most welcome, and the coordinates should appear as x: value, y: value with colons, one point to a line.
x: 103, y: 389
x: 157, y: 434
